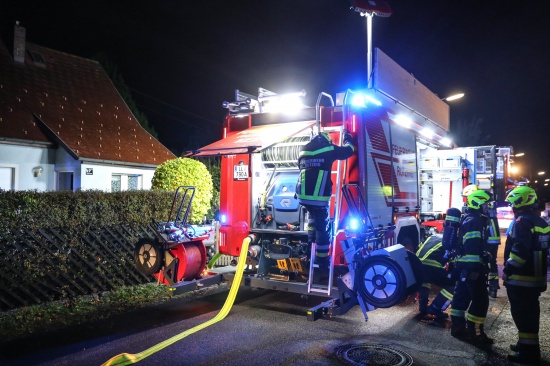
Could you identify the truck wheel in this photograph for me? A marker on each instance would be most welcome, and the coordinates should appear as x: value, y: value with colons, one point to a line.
x: 380, y: 281
x: 148, y: 256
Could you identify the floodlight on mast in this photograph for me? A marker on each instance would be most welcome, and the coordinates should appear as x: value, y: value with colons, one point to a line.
x: 369, y: 8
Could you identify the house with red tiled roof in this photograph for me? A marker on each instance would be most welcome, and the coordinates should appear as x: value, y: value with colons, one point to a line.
x: 63, y: 125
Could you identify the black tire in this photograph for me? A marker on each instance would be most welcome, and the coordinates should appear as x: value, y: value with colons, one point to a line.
x: 380, y: 281
x: 148, y: 256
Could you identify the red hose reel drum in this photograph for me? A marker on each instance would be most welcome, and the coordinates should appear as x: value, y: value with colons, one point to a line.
x: 183, y: 262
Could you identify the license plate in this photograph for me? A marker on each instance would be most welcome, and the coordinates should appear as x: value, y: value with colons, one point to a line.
x: 240, y: 172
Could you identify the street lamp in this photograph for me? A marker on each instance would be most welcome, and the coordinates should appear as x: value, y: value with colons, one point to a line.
x: 453, y: 97
x: 526, y: 165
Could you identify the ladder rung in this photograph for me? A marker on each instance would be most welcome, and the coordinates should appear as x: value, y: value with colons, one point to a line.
x: 320, y: 290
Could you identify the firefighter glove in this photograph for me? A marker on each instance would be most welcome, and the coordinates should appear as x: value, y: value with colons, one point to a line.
x: 348, y: 138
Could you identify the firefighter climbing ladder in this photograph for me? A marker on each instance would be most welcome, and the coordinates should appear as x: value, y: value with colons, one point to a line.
x: 337, y: 199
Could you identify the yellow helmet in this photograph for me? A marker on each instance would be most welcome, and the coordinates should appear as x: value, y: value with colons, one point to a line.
x: 521, y: 197
x: 478, y: 198
x: 470, y: 188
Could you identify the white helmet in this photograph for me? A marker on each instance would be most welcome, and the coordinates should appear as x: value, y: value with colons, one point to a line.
x: 469, y: 189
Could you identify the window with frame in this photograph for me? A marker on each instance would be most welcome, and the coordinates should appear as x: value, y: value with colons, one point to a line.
x: 116, y: 181
x: 134, y: 182
x: 126, y: 182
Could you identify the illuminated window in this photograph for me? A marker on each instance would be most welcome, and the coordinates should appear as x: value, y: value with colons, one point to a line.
x: 116, y: 185
x: 126, y: 182
x: 134, y: 182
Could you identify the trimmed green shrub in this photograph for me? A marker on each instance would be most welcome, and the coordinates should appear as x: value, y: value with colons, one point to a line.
x: 186, y: 172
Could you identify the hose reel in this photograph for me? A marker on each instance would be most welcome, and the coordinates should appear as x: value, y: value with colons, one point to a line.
x: 284, y: 154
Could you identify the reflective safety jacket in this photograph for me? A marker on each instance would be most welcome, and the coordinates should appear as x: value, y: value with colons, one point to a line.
x: 315, y: 161
x: 472, y: 239
x: 431, y: 252
x: 528, y: 259
x: 493, y: 232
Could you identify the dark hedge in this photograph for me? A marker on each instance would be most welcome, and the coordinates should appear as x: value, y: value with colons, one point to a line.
x: 81, y: 210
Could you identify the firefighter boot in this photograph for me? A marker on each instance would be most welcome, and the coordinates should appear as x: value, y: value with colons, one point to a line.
x: 439, y: 315
x: 482, y: 338
x: 526, y: 355
x: 493, y: 287
x: 458, y: 328
x: 322, y: 274
x: 423, y: 297
x: 476, y: 335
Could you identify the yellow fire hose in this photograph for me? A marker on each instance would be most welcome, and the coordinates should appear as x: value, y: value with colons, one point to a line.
x: 128, y: 358
x: 213, y: 260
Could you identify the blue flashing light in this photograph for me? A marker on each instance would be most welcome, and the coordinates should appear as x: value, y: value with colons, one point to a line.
x: 372, y: 100
x: 223, y: 219
x: 358, y: 100
x: 364, y: 100
x: 354, y: 223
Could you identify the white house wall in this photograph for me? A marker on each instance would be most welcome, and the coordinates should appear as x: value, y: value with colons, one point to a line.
x: 23, y: 159
x: 100, y: 176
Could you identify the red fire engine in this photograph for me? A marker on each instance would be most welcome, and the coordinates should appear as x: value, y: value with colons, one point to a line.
x: 380, y: 194
x: 374, y: 207
x: 401, y: 176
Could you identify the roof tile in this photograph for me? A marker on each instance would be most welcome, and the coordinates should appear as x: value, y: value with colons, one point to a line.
x: 76, y: 100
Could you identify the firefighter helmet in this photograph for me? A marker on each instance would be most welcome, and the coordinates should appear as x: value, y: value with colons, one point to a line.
x: 469, y: 189
x: 521, y: 197
x: 478, y: 198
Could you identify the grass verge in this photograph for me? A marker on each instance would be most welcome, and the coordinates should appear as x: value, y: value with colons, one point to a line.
x: 38, y: 319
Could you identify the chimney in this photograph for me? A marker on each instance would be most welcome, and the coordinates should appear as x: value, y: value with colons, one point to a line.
x: 19, y: 43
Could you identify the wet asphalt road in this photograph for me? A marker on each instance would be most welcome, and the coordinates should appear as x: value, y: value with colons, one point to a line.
x: 269, y: 328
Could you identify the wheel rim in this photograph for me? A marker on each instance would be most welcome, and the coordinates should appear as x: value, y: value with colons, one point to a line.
x: 148, y: 256
x: 380, y: 281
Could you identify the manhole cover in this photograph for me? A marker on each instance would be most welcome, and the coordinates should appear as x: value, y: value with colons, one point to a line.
x: 373, y: 354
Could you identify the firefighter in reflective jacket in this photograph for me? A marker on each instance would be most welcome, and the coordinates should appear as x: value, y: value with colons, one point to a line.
x: 433, y: 258
x: 524, y: 270
x: 470, y: 298
x: 493, y: 241
x: 314, y: 187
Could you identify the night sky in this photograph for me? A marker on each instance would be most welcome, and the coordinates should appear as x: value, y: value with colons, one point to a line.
x: 183, y: 58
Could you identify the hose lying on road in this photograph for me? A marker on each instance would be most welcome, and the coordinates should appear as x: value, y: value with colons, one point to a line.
x: 128, y: 358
